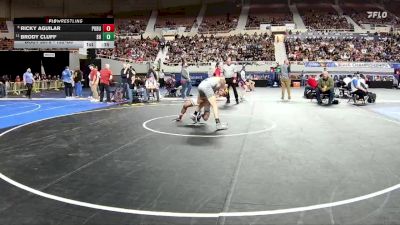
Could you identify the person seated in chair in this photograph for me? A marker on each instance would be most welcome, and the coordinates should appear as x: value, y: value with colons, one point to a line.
x: 358, y: 87
x: 251, y: 85
x: 312, y: 84
x: 325, y: 86
x: 346, y: 81
x: 152, y: 86
x: 363, y: 80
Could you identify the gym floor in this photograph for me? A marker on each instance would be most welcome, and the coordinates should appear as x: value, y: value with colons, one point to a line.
x: 278, y: 163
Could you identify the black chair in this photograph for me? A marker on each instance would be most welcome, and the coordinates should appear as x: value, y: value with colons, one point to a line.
x: 356, y: 98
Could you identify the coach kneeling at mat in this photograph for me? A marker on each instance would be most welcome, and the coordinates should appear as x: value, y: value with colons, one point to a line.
x: 325, y: 86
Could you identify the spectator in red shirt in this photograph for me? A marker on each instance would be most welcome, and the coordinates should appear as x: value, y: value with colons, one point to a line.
x: 218, y: 71
x: 105, y: 78
x: 312, y: 84
x: 94, y: 82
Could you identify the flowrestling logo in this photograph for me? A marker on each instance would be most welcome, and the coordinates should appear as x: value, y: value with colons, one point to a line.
x: 377, y: 15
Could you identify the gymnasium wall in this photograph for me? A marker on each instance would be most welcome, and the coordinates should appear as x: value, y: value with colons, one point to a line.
x: 36, y: 8
x: 84, y: 7
x: 68, y: 8
x: 4, y: 9
x: 16, y: 62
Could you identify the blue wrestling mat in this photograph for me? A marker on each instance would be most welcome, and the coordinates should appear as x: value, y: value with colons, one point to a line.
x: 16, y: 112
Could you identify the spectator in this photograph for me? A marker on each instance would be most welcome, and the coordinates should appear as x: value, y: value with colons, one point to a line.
x: 251, y: 84
x: 358, y: 13
x: 135, y: 50
x: 285, y: 79
x: 28, y: 82
x: 105, y: 78
x: 66, y: 77
x: 78, y: 82
x: 213, y: 49
x: 218, y: 71
x: 386, y: 49
x: 94, y: 82
x: 2, y: 87
x: 347, y: 80
x: 161, y: 77
x: 131, y: 83
x: 152, y: 72
x: 124, y: 80
x: 6, y: 82
x: 45, y: 82
x: 319, y: 20
x: 152, y: 87
x: 312, y: 85
x: 132, y: 26
x: 363, y: 81
x: 185, y: 80
x: 6, y: 44
x: 325, y: 86
x: 357, y: 87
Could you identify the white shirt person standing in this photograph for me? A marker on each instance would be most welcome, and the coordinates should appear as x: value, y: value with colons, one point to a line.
x: 230, y: 74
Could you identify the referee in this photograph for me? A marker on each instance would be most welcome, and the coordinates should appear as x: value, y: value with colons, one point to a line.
x: 28, y: 82
x: 230, y: 75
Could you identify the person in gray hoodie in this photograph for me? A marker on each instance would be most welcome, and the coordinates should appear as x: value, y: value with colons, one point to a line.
x: 185, y: 80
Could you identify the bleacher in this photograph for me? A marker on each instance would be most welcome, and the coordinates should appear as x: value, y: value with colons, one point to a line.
x: 394, y: 7
x: 134, y: 50
x: 312, y: 2
x: 177, y: 17
x: 6, y: 44
x: 3, y: 26
x: 358, y: 12
x: 201, y: 49
x: 358, y: 49
x: 322, y: 16
x: 220, y: 17
x: 276, y: 13
x: 133, y: 23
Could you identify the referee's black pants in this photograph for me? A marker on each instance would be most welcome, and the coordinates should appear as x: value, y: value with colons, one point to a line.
x: 229, y: 82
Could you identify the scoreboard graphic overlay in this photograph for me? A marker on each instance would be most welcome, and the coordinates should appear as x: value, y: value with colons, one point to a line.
x: 64, y: 33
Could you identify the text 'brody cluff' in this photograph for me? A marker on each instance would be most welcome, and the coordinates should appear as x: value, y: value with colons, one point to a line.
x: 38, y: 37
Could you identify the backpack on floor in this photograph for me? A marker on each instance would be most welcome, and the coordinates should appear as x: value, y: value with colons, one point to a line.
x: 371, y: 97
x: 310, y: 94
x: 119, y: 94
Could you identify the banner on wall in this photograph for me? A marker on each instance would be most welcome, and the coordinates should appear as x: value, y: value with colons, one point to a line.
x: 278, y: 28
x: 290, y: 26
x: 320, y: 64
x: 265, y: 27
x: 195, y: 78
x: 348, y: 64
x: 396, y: 65
x: 363, y: 65
x: 181, y: 29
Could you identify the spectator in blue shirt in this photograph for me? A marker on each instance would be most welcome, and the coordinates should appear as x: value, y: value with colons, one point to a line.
x: 66, y: 77
x: 28, y: 82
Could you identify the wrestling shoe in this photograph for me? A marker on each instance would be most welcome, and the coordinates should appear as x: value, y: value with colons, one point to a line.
x: 194, y: 118
x: 222, y: 126
x: 199, y: 116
